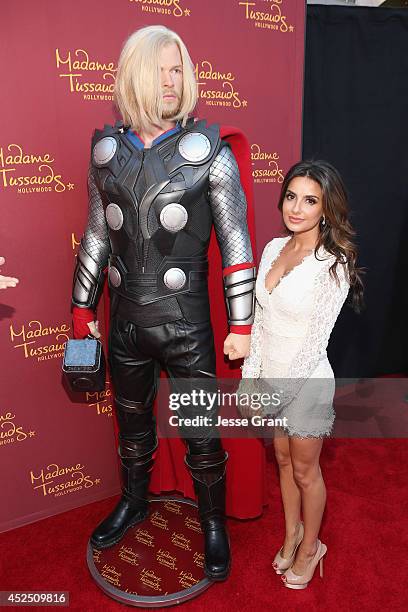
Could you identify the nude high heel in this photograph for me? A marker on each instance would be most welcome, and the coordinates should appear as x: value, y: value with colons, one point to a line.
x: 280, y: 564
x: 293, y: 581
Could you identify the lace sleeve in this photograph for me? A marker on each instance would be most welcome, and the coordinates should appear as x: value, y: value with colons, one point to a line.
x: 252, y: 363
x: 328, y: 300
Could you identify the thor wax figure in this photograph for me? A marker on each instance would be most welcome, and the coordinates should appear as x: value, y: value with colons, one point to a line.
x: 157, y: 184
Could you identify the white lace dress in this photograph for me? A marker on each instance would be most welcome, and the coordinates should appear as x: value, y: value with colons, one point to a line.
x: 289, y: 339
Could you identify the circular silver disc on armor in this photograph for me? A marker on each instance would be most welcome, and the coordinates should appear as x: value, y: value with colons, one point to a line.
x: 173, y: 217
x: 114, y: 276
x: 104, y: 150
x: 174, y: 278
x: 114, y: 216
x: 194, y: 146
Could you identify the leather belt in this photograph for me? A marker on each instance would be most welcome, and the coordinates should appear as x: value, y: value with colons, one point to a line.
x: 175, y: 275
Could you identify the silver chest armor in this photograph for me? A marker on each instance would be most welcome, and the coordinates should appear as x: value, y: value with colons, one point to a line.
x: 157, y: 212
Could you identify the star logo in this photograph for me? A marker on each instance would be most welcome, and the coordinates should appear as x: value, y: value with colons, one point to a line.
x: 31, y: 433
x: 187, y: 12
x: 291, y: 28
x: 244, y: 103
x: 70, y: 186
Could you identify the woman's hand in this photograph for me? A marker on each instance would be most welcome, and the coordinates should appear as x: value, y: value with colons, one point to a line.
x: 7, y: 281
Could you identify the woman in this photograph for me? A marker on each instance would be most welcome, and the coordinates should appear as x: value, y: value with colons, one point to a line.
x: 303, y: 281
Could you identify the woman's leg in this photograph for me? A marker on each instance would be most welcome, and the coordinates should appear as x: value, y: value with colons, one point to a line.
x: 290, y: 494
x: 305, y: 453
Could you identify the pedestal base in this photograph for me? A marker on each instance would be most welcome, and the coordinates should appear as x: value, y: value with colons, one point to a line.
x: 159, y: 562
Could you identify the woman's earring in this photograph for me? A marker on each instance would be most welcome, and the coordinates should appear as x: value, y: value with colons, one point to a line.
x: 323, y: 221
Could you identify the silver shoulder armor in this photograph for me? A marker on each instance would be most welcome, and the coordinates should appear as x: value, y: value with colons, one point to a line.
x: 93, y: 253
x: 240, y: 296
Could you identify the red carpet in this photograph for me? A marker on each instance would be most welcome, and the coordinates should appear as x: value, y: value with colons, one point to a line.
x: 365, y: 528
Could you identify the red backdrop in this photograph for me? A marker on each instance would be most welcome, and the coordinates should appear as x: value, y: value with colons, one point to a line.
x: 58, y: 62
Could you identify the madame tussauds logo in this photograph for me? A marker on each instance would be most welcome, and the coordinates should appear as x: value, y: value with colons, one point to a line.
x: 110, y: 573
x: 187, y: 580
x: 29, y: 172
x: 267, y: 14
x: 175, y: 8
x: 93, y: 79
x: 101, y: 400
x: 10, y: 431
x: 217, y: 88
x: 59, y: 480
x: 265, y: 166
x: 29, y: 338
x: 150, y: 579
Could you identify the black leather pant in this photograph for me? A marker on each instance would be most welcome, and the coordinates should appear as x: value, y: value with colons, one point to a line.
x: 136, y: 355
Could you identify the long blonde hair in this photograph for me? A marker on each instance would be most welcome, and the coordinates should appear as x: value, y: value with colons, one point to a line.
x: 138, y: 92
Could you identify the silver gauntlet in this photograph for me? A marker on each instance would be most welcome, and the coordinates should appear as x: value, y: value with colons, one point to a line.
x: 93, y: 253
x: 88, y: 281
x: 240, y: 296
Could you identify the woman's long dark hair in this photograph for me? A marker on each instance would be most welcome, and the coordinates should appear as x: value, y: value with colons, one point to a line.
x: 336, y: 235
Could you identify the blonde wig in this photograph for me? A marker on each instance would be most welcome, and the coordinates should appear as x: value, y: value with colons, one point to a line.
x: 138, y: 91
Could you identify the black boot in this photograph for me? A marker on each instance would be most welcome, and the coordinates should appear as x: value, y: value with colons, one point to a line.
x: 132, y: 508
x: 208, y: 472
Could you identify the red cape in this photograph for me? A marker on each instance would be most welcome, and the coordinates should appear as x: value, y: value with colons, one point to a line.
x: 246, y: 486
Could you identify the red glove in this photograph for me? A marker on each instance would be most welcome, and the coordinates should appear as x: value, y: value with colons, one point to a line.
x: 80, y: 318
